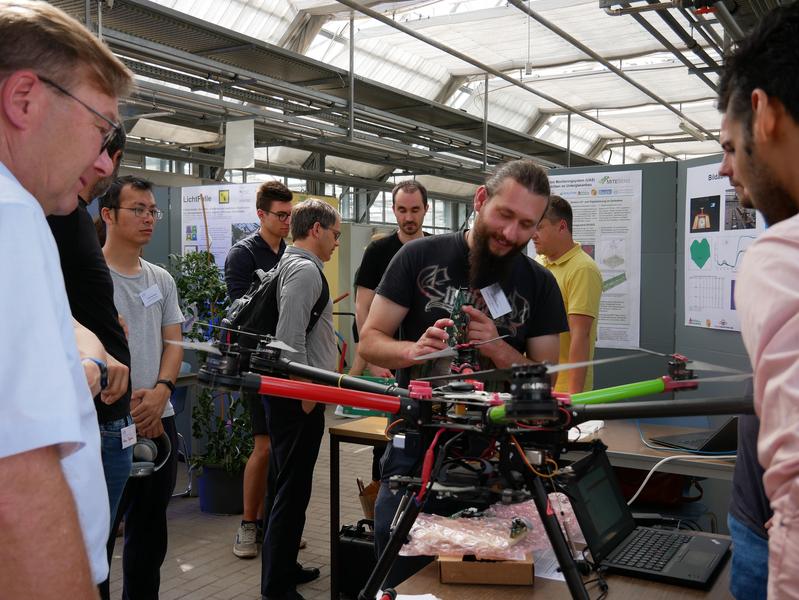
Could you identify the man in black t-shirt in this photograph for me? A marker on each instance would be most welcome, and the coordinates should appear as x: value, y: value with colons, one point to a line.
x: 261, y: 250
x: 90, y: 291
x: 509, y: 294
x: 409, y: 204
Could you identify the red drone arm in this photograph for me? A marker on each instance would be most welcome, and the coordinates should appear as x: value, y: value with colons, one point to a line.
x: 314, y: 392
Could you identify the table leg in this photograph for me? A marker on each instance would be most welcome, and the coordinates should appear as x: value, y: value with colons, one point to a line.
x: 334, y: 515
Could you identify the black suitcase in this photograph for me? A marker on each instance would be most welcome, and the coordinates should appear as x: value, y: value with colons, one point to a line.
x: 356, y: 551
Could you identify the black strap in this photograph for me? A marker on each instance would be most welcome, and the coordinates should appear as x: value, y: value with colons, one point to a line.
x: 320, y: 305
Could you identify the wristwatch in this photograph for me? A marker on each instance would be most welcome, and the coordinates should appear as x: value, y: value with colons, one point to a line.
x: 167, y: 383
x: 103, y: 370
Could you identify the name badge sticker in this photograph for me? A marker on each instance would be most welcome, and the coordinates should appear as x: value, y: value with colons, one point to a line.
x: 496, y: 300
x: 128, y: 436
x: 151, y: 295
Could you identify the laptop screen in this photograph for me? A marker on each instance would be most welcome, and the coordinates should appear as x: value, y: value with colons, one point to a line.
x: 598, y: 505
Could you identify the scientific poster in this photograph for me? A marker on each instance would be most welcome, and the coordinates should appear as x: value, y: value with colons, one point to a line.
x: 718, y: 229
x: 229, y: 215
x: 607, y: 222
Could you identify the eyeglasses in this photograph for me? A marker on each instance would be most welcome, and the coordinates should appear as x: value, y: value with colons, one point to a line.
x: 281, y: 216
x: 109, y: 135
x: 155, y: 213
x: 336, y: 233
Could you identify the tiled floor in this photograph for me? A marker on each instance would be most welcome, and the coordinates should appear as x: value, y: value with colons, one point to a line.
x: 200, y: 562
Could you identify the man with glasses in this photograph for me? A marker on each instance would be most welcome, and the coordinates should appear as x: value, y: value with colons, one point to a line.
x: 147, y: 298
x: 53, y: 502
x: 296, y: 427
x: 261, y: 250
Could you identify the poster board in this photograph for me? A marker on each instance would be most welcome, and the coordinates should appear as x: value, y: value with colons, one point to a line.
x: 718, y: 229
x: 607, y: 223
x: 217, y: 216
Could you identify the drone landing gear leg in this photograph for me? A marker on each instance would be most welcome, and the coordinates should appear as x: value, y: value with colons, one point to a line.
x: 555, y: 535
x: 410, y: 508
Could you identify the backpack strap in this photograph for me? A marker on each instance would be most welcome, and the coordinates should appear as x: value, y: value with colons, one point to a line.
x: 320, y: 305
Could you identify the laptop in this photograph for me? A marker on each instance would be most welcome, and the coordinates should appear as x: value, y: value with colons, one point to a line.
x: 723, y: 439
x: 615, y: 542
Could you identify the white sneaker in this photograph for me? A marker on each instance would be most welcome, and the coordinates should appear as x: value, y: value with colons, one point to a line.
x: 245, y: 545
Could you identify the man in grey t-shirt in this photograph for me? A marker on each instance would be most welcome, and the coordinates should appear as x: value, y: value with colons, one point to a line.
x: 297, y: 427
x: 146, y: 297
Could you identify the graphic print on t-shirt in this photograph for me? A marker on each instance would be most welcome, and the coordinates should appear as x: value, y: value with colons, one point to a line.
x: 434, y: 283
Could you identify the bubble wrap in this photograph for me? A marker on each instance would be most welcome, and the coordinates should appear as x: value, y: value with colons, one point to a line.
x: 488, y: 537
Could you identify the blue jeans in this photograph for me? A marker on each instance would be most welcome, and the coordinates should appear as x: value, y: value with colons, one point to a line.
x: 116, y: 461
x: 749, y: 571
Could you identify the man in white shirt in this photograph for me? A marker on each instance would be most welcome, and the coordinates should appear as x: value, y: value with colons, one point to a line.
x: 58, y: 85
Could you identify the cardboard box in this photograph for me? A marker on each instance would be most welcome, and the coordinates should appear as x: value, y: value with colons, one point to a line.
x: 457, y: 569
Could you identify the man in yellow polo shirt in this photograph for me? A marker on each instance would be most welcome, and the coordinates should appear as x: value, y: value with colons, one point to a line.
x: 580, y: 284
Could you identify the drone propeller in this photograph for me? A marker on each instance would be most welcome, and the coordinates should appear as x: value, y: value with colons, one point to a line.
x: 280, y: 345
x: 447, y: 352
x: 272, y: 343
x: 194, y: 345
x: 588, y: 363
x: 735, y: 377
x: 696, y: 365
x: 505, y: 374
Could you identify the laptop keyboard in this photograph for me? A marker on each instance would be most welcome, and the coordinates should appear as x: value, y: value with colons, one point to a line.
x: 650, y: 549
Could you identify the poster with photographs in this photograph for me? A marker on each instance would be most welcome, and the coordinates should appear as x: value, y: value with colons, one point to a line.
x: 718, y: 229
x: 217, y: 216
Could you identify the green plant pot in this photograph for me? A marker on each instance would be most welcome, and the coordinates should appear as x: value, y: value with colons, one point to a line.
x: 220, y: 492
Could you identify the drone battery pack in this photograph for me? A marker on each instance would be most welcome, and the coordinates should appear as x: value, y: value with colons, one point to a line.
x: 356, y: 547
x: 465, y: 569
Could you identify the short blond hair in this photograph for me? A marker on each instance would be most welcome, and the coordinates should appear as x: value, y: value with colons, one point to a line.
x: 43, y: 38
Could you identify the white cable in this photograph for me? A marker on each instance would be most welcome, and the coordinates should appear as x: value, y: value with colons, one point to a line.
x: 667, y: 459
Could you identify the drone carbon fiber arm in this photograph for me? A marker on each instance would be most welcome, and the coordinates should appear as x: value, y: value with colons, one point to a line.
x: 301, y: 390
x: 632, y: 390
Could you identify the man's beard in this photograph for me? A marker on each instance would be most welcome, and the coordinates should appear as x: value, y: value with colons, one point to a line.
x: 485, y: 267
x: 410, y: 228
x: 768, y: 195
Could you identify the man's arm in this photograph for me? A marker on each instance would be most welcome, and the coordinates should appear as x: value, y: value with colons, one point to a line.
x: 118, y: 375
x: 147, y: 404
x: 363, y: 302
x: 42, y: 551
x: 89, y: 346
x: 379, y: 347
x: 544, y: 348
x: 579, y: 349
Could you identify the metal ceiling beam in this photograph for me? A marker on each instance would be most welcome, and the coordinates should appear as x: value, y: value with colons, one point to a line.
x: 453, y: 85
x: 146, y: 50
x: 728, y: 22
x: 690, y: 42
x: 673, y: 49
x: 705, y: 29
x: 225, y: 49
x: 451, y: 51
x: 301, y: 32
x: 215, y: 160
x: 583, y: 48
x: 417, y: 133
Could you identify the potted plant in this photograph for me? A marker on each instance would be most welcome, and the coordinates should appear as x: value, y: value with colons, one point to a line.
x: 220, y: 420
